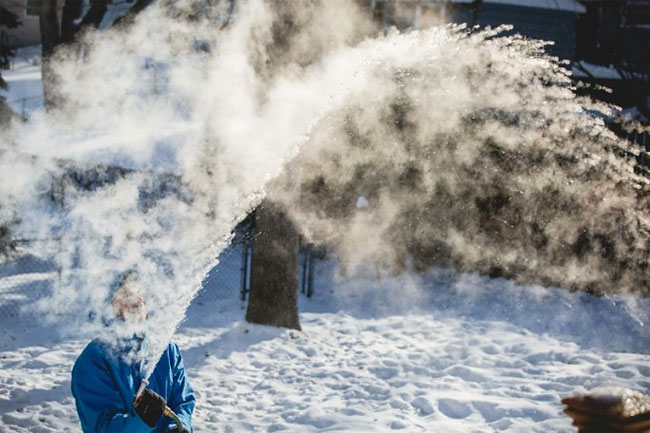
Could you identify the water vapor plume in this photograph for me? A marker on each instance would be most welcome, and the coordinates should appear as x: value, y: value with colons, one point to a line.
x: 164, y: 135
x: 474, y: 152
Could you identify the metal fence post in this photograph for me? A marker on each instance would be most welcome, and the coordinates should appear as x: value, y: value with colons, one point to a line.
x: 307, y: 280
x: 310, y: 268
x: 245, y: 270
x: 303, y: 280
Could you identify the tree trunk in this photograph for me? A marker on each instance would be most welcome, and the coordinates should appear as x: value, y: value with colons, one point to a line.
x: 71, y: 14
x: 55, y: 33
x: 129, y: 17
x: 50, y: 39
x: 95, y: 15
x: 274, y: 283
x: 476, y: 14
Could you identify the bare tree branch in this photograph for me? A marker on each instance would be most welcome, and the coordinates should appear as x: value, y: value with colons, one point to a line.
x: 128, y: 17
x: 49, y: 26
x: 71, y: 14
x: 54, y: 33
x: 8, y: 19
x: 95, y: 14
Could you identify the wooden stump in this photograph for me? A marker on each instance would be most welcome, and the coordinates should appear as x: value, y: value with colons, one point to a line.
x: 610, y: 411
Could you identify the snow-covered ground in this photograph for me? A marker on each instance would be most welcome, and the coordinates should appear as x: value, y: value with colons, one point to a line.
x: 25, y: 92
x: 442, y: 352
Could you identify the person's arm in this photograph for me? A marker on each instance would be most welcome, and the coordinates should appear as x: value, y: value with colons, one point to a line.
x: 98, y: 400
x: 128, y: 422
x: 181, y: 399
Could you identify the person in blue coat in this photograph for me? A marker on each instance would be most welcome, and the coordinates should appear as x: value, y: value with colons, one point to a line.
x: 105, y: 381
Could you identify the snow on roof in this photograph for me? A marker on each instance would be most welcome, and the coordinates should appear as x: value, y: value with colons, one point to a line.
x: 582, y: 69
x: 560, y: 5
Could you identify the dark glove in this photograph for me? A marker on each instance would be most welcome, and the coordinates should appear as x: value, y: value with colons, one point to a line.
x: 150, y: 407
x: 177, y: 430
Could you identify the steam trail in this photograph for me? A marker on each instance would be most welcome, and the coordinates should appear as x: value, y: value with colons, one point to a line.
x: 462, y: 143
x: 474, y: 152
x: 184, y: 149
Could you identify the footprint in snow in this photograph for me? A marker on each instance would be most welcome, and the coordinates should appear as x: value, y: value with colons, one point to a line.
x: 502, y: 425
x: 645, y: 371
x: 399, y: 404
x: 384, y: 373
x: 351, y: 412
x: 277, y: 427
x: 490, y: 411
x: 454, y: 409
x: 490, y: 349
x: 466, y: 374
x: 624, y: 374
x: 309, y: 351
x: 423, y: 406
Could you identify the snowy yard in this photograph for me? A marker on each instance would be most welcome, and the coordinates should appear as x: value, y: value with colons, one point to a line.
x: 25, y: 92
x: 444, y: 353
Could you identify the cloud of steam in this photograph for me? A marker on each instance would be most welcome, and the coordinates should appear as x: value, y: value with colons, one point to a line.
x: 164, y: 137
x: 464, y: 146
x: 474, y: 152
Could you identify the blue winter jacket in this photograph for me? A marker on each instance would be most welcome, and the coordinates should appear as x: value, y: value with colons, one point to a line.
x: 103, y: 386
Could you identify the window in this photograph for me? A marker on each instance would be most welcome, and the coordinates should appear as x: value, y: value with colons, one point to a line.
x: 33, y: 8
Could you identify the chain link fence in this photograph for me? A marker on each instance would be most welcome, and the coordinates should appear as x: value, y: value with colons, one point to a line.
x: 25, y: 277
x: 224, y: 281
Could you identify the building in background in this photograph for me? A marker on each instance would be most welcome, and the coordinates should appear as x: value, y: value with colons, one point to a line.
x: 607, y: 41
x: 552, y: 20
x: 613, y: 50
x: 28, y: 32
